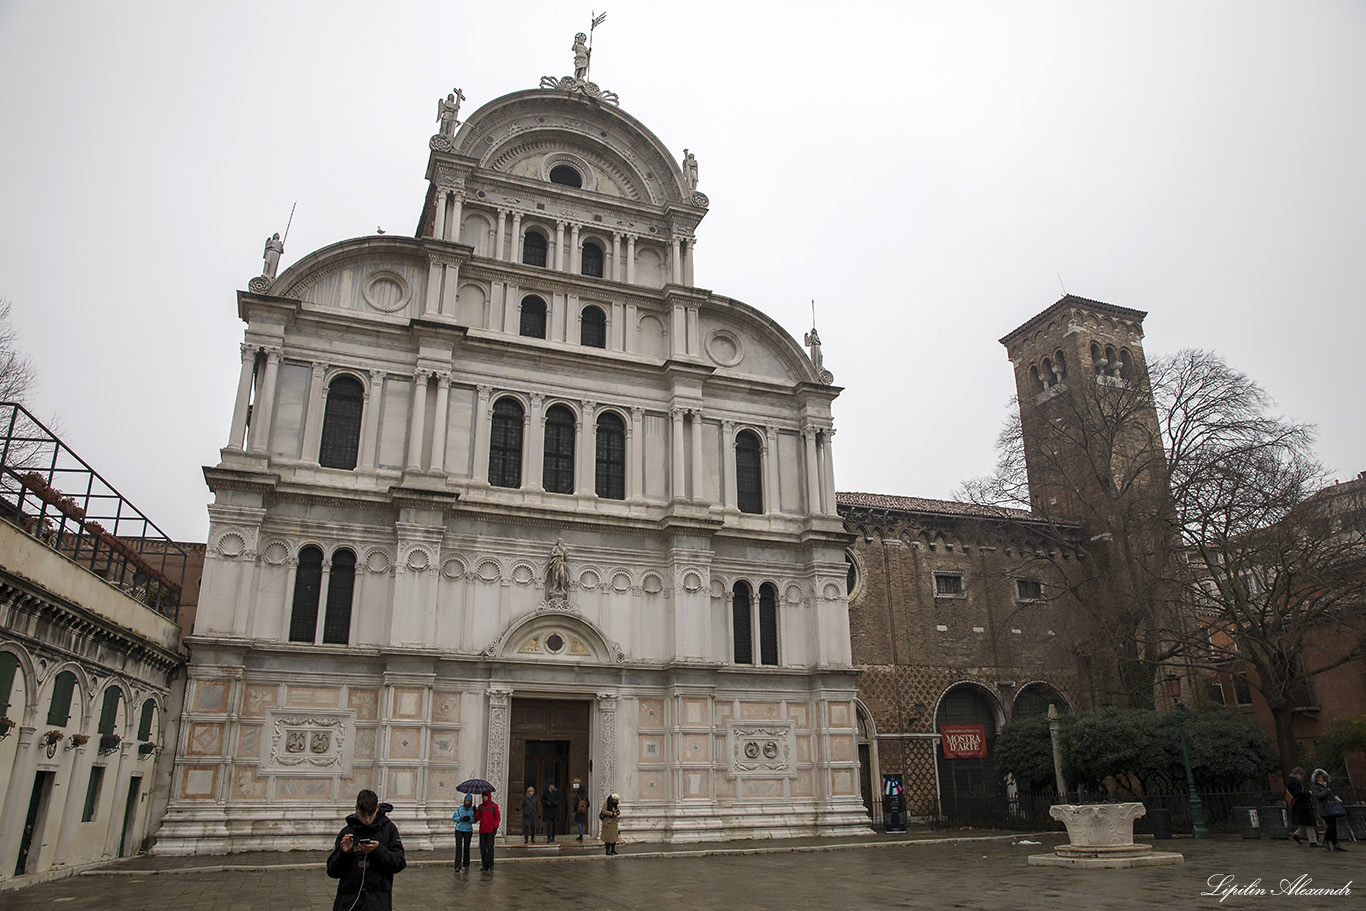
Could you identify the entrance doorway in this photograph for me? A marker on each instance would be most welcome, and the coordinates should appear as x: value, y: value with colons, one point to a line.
x: 32, y: 842
x: 549, y: 745
x: 130, y: 816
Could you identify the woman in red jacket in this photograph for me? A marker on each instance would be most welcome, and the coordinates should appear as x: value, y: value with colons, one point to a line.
x: 489, y: 819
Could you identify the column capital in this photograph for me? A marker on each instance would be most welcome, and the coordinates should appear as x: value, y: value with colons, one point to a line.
x: 537, y: 399
x: 483, y: 390
x: 319, y: 368
x: 376, y: 375
x: 728, y: 426
x: 677, y: 413
x: 249, y: 351
x: 637, y: 413
x: 274, y: 352
x: 589, y: 408
x: 422, y: 374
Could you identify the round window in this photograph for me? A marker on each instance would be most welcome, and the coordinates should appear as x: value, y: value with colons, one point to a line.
x: 554, y: 642
x: 566, y: 176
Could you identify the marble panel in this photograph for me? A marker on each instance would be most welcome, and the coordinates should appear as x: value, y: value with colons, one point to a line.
x: 841, y: 748
x: 651, y: 713
x: 839, y: 715
x: 405, y: 743
x: 694, y: 711
x: 205, y: 739
x: 365, y: 703
x: 803, y: 749
x: 256, y: 698
x: 842, y: 782
x: 302, y: 788
x: 800, y: 715
x: 365, y: 743
x: 361, y: 778
x: 441, y: 785
x: 653, y: 785
x: 761, y: 787
x: 407, y: 703
x: 651, y: 748
x: 723, y: 712
x: 446, y: 707
x: 402, y: 784
x: 695, y: 748
x: 725, y: 787
x: 199, y: 782
x: 211, y: 696
x: 696, y: 784
x: 322, y: 697
x: 803, y: 785
x: 249, y: 741
x: 443, y: 745
x: 759, y: 711
x: 246, y: 784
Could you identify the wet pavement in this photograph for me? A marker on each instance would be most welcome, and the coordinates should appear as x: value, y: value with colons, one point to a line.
x: 969, y: 870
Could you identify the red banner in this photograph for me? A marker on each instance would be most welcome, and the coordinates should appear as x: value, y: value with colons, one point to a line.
x: 964, y: 741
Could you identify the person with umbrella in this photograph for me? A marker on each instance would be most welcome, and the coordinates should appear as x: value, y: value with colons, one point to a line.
x: 464, y: 831
x: 488, y: 818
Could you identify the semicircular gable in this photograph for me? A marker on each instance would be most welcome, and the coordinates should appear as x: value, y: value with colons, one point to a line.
x: 603, y: 134
x: 526, y: 154
x: 387, y: 276
x: 737, y: 338
x: 551, y: 635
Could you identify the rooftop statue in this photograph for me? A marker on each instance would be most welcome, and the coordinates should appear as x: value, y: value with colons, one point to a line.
x: 274, y: 247
x: 690, y: 169
x: 581, y: 54
x: 447, y: 112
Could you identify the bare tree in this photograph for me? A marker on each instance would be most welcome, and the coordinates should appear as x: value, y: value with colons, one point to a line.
x: 17, y: 373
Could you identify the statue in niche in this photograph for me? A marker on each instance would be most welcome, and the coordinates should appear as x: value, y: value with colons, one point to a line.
x: 274, y: 247
x: 557, y: 572
x: 581, y: 53
x: 690, y: 169
x: 448, y: 110
x: 813, y: 341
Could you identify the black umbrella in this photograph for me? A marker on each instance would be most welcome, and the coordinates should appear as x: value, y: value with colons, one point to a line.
x: 475, y: 786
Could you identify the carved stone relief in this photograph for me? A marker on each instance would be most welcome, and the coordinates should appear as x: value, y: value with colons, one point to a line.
x: 760, y: 750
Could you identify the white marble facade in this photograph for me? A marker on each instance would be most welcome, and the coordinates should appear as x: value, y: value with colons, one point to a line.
x: 451, y: 618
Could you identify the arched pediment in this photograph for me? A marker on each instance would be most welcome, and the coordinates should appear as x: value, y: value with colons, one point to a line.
x: 552, y: 635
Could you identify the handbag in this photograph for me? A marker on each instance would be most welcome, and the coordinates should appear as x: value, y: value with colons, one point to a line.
x: 1334, y: 808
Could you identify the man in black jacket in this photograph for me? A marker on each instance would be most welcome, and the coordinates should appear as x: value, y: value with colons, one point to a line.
x: 367, y: 854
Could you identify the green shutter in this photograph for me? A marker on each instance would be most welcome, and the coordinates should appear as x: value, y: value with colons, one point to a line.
x: 60, y: 709
x: 8, y: 665
x: 149, y: 709
x: 110, y: 710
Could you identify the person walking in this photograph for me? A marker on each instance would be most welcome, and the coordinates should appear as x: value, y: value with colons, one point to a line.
x: 580, y: 810
x: 610, y: 814
x: 1301, y: 809
x: 464, y: 832
x: 489, y: 819
x: 365, y: 857
x: 531, y: 814
x: 550, y: 811
x: 1321, y: 790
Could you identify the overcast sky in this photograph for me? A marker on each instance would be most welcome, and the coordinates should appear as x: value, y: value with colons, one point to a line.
x: 924, y: 171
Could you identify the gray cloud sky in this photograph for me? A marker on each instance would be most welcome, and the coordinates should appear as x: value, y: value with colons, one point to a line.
x: 925, y: 171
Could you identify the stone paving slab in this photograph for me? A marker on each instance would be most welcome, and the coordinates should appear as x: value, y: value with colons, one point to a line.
x: 970, y: 873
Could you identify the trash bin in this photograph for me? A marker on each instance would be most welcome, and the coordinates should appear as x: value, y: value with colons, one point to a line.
x: 893, y: 804
x: 1249, y: 822
x: 1274, y: 822
x: 1160, y: 822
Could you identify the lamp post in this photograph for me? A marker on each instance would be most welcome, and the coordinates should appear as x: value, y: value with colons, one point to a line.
x: 1198, y: 829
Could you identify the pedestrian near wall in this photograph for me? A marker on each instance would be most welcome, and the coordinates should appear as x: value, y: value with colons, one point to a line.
x: 1321, y: 790
x: 610, y: 815
x: 488, y: 818
x: 531, y: 815
x: 1301, y: 809
x: 464, y: 832
x: 580, y: 810
x: 550, y: 811
x: 367, y: 854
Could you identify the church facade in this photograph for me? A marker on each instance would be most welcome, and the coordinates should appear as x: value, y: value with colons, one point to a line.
x: 515, y: 499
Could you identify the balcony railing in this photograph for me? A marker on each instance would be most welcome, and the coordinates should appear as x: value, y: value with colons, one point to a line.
x: 51, y: 493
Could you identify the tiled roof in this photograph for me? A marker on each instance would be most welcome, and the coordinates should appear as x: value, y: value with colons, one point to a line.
x: 922, y: 504
x: 1068, y: 301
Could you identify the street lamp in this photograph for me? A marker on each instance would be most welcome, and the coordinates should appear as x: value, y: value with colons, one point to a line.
x: 1198, y: 829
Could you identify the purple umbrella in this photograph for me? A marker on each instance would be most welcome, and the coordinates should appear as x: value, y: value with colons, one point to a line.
x: 475, y: 786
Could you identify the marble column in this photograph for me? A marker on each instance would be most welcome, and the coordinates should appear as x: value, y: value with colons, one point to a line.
x: 605, y: 769
x: 635, y: 445
x: 575, y: 253
x: 321, y: 614
x: 498, y: 239
x: 828, y: 505
x: 265, y: 402
x: 677, y: 483
x: 630, y: 259
x: 483, y: 429
x: 813, y: 483
x: 585, y: 455
x: 559, y: 247
x: 772, y: 501
x: 417, y: 420
x: 453, y: 225
x: 515, y: 248
x: 533, y: 470
x: 291, y: 573
x: 728, y: 466
x: 313, y: 418
x: 499, y: 742
x: 696, y: 415
x: 439, y: 223
x: 437, y: 462
x: 243, y: 401
x: 370, y: 406
x: 617, y: 272
x: 676, y: 261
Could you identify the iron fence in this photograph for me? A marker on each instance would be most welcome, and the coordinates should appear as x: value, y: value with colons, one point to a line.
x: 51, y: 493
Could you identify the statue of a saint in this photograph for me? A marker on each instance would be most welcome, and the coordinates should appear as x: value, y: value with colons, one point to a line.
x: 813, y: 341
x: 581, y: 53
x: 447, y: 110
x: 274, y: 247
x: 690, y: 169
x: 557, y: 572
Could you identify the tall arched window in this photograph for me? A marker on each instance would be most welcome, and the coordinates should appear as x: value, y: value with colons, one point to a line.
x: 341, y: 423
x: 559, y: 450
x: 109, y: 710
x: 308, y: 580
x: 591, y: 260
x: 768, y: 624
x: 505, y: 444
x: 341, y: 583
x: 533, y: 317
x: 969, y: 777
x: 593, y: 327
x: 742, y: 623
x: 749, y: 473
x: 611, y: 462
x: 149, y: 715
x: 59, y: 709
x: 533, y: 248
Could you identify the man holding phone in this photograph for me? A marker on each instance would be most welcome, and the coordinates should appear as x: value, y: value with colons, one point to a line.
x: 366, y: 856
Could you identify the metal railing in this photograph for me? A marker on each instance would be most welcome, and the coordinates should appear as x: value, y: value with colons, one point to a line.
x: 51, y: 493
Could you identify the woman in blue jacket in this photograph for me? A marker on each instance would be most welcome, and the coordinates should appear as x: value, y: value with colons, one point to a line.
x: 464, y: 831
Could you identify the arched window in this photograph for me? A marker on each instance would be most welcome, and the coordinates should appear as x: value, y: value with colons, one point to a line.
x: 1035, y: 698
x: 559, y: 450
x: 593, y: 327
x: 968, y: 777
x: 1097, y: 359
x: 591, y: 260
x: 341, y: 423
x: 566, y: 176
x: 742, y: 624
x: 341, y: 583
x: 533, y: 248
x: 1060, y: 366
x: 611, y: 464
x: 9, y: 664
x: 533, y: 317
x: 149, y: 715
x: 749, y: 473
x: 59, y: 709
x: 505, y: 444
x: 109, y: 710
x: 768, y: 624
x: 308, y: 580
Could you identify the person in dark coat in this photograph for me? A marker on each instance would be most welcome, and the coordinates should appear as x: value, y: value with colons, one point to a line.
x: 550, y: 811
x: 1301, y: 809
x: 531, y: 815
x: 1321, y: 790
x: 580, y: 810
x: 489, y: 819
x: 367, y: 854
